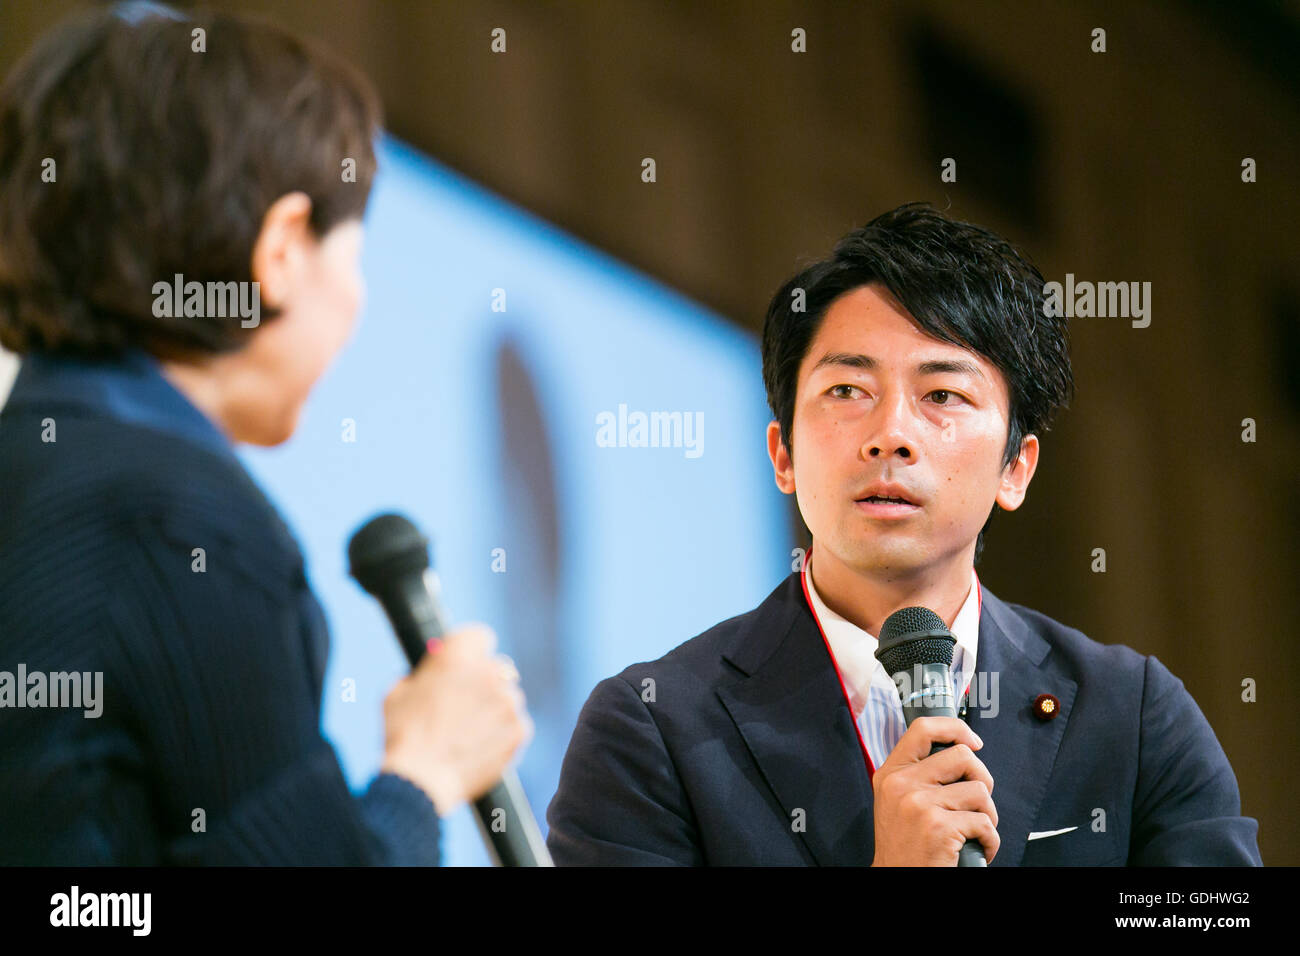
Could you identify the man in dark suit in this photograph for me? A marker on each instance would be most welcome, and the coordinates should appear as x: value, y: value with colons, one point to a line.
x: 912, y: 371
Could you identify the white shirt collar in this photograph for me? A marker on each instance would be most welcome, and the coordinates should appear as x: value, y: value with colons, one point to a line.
x: 854, y: 649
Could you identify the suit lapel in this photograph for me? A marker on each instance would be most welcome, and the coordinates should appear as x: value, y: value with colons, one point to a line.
x: 1019, y: 749
x: 790, y: 710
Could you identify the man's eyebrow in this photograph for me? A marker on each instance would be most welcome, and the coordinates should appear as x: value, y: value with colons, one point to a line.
x: 851, y: 359
x: 932, y: 367
x: 952, y: 366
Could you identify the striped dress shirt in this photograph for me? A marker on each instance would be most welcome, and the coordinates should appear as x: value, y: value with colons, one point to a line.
x: 872, y: 694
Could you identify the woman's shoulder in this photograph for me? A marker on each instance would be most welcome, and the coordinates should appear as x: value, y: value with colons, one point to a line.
x: 111, y: 484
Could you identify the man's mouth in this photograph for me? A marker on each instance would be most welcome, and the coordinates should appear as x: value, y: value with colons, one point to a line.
x: 887, y: 492
x: 887, y: 503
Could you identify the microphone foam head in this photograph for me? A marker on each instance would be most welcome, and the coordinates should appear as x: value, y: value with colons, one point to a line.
x: 386, y: 548
x: 911, y: 636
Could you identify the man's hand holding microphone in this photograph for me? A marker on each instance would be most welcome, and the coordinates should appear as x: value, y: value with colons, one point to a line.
x: 927, y: 805
x: 933, y: 796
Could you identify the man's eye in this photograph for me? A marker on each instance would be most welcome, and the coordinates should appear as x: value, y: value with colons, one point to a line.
x: 843, y: 391
x: 945, y: 393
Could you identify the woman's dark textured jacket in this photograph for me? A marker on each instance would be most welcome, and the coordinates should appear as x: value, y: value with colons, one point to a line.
x: 207, y: 746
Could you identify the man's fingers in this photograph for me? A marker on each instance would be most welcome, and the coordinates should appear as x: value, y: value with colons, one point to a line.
x: 956, y: 763
x: 977, y: 826
x: 924, y: 732
x: 970, y: 796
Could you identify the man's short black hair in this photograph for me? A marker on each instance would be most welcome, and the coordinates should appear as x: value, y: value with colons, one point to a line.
x: 959, y: 283
x: 166, y: 160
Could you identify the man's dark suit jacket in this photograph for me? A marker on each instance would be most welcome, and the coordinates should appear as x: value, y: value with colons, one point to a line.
x: 708, y: 755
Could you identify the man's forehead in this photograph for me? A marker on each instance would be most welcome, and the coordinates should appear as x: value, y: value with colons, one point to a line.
x: 868, y: 314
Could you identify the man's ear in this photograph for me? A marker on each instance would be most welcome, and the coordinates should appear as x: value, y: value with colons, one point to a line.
x: 277, y: 252
x: 782, y: 466
x: 1017, y: 475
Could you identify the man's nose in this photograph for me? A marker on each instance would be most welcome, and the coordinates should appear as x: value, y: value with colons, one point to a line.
x: 890, y: 430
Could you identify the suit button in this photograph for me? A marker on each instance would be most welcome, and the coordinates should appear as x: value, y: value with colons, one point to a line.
x: 1046, y: 707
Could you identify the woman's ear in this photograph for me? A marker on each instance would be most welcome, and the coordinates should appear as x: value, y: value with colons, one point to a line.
x: 277, y: 258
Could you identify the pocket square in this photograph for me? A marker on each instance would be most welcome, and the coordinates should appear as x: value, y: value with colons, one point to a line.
x: 1040, y: 834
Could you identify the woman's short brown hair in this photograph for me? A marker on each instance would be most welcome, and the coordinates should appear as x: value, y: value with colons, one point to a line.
x: 165, y: 161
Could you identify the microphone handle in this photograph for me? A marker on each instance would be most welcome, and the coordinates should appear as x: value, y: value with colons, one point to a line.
x: 510, y: 834
x: 512, y: 837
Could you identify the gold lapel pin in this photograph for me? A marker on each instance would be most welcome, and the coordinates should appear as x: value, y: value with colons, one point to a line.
x: 1046, y: 707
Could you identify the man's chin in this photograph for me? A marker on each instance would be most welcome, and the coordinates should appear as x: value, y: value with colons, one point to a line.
x: 899, y: 560
x: 891, y: 559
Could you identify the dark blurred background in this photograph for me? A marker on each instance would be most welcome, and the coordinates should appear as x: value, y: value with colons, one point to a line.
x: 1116, y: 166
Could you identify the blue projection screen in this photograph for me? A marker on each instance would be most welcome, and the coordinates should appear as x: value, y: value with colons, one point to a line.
x: 584, y: 446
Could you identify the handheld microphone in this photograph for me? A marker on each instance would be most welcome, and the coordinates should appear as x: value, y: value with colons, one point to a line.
x: 390, y: 558
x: 916, y: 648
